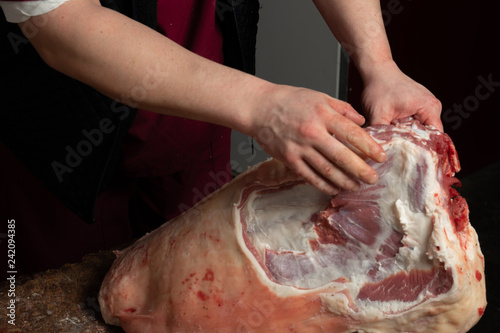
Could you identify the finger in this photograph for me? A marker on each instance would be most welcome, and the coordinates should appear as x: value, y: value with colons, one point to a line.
x: 304, y: 170
x: 434, y: 122
x: 354, y: 149
x: 343, y: 159
x: 379, y: 118
x: 430, y: 114
x: 348, y: 111
x: 434, y: 117
x: 356, y: 136
x: 331, y: 172
x: 437, y: 124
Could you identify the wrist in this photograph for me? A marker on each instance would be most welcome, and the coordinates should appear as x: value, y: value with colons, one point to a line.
x: 374, y: 69
x: 259, y: 105
x: 247, y: 104
x: 372, y: 56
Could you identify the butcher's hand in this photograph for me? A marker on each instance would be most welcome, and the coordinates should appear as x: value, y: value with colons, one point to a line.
x: 389, y: 95
x: 318, y: 136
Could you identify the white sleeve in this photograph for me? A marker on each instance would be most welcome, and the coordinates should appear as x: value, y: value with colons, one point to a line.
x: 20, y: 11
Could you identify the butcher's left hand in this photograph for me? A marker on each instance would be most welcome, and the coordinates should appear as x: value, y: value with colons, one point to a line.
x: 389, y: 95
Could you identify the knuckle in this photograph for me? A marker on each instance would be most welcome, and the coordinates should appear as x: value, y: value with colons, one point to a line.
x: 342, y: 157
x: 326, y: 170
x: 308, y: 130
x: 289, y: 158
x: 344, y: 108
x: 352, y: 136
x: 436, y: 104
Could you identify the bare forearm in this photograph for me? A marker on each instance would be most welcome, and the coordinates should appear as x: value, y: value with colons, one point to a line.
x: 358, y: 26
x: 130, y: 62
x: 389, y: 94
x: 134, y: 64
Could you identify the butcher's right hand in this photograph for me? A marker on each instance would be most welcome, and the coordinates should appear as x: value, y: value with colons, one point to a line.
x: 317, y: 136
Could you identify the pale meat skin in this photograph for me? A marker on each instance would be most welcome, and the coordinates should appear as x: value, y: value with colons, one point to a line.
x: 269, y: 253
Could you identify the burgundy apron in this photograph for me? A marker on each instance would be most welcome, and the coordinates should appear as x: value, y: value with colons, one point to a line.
x: 182, y: 160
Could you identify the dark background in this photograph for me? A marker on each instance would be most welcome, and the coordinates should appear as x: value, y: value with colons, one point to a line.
x: 448, y: 46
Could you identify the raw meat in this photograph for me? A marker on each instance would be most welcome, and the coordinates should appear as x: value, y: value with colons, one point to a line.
x: 269, y: 253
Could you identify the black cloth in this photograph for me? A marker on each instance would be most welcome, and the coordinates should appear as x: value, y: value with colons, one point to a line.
x: 66, y: 133
x: 143, y: 11
x: 238, y: 20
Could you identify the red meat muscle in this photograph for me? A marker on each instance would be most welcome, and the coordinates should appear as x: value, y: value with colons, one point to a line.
x: 269, y: 253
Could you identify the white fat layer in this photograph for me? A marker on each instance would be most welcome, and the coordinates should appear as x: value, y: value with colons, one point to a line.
x: 276, y: 220
x: 408, y: 203
x: 423, y: 134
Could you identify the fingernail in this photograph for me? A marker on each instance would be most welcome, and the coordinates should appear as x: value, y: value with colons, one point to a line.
x: 334, y: 191
x: 382, y: 156
x: 373, y: 179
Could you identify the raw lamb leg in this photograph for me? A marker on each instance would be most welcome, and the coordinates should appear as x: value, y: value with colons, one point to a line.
x: 269, y: 253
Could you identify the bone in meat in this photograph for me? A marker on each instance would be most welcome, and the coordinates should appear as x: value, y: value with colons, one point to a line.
x: 269, y: 253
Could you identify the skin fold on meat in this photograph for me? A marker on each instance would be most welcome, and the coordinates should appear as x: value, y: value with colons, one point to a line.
x: 270, y: 253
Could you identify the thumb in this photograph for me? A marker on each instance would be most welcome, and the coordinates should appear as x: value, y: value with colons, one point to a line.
x: 433, y: 121
x: 431, y: 114
x: 379, y: 118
